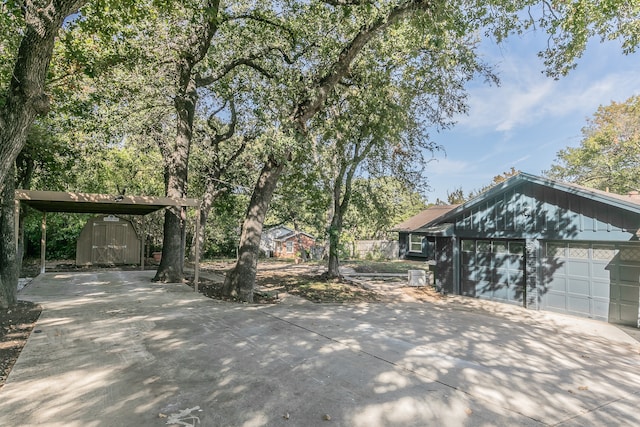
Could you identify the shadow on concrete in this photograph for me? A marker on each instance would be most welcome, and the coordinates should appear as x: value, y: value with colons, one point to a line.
x: 114, y: 349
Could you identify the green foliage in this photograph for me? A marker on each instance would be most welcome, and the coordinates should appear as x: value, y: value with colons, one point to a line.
x: 378, y: 204
x: 223, y: 228
x: 62, y: 234
x: 11, y: 24
x: 570, y: 25
x: 608, y: 157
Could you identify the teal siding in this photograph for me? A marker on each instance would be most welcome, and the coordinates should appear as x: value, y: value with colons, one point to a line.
x: 534, y: 211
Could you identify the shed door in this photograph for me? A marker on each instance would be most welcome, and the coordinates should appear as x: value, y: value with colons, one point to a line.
x: 109, y: 243
x: 493, y: 269
x: 590, y: 279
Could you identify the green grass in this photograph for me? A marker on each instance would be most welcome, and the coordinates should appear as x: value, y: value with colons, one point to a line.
x: 391, y: 266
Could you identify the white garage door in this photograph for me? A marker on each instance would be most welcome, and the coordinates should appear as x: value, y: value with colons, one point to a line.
x: 597, y: 280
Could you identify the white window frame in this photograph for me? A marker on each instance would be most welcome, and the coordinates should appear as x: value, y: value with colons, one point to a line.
x: 289, y: 246
x: 412, y: 243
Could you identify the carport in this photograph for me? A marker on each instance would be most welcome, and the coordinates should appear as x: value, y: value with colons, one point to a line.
x: 71, y: 202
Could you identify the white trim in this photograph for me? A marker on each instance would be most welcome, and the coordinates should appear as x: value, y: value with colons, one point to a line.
x: 411, y: 243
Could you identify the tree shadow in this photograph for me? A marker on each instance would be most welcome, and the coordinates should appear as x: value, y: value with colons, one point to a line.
x: 118, y: 350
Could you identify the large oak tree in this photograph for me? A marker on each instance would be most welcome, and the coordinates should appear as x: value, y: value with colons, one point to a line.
x: 23, y: 100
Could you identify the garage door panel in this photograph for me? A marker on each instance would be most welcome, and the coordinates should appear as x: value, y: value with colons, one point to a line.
x: 600, y: 289
x: 556, y: 300
x: 484, y: 289
x: 626, y: 293
x: 600, y: 308
x: 597, y: 280
x: 600, y: 271
x: 554, y: 266
x: 492, y: 270
x: 578, y: 304
x: 578, y: 287
x: 557, y: 284
x: 516, y: 278
x: 629, y: 273
x: 501, y: 291
x: 578, y: 268
x: 628, y: 314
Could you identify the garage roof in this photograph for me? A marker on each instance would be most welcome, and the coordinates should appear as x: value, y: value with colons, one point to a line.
x: 60, y: 201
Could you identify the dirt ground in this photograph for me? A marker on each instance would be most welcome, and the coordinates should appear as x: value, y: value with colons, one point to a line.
x: 16, y: 325
x: 275, y: 281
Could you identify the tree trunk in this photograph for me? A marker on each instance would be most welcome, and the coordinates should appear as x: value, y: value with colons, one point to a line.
x: 9, y: 269
x: 25, y: 98
x: 335, y: 229
x: 240, y: 281
x: 176, y: 157
x: 341, y: 200
x: 209, y: 196
x: 171, y: 268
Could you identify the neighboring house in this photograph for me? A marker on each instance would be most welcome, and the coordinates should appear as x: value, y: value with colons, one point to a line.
x: 417, y: 245
x: 283, y: 242
x: 542, y: 244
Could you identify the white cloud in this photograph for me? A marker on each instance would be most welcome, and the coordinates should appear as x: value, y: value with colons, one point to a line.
x: 526, y: 96
x: 447, y: 167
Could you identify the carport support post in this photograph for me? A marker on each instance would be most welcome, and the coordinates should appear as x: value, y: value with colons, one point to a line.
x: 196, y: 267
x: 143, y: 246
x: 43, y: 243
x: 16, y: 222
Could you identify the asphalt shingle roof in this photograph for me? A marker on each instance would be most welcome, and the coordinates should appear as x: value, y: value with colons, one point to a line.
x: 424, y: 217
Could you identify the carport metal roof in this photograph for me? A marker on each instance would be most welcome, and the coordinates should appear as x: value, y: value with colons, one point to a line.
x: 66, y: 201
x: 59, y: 201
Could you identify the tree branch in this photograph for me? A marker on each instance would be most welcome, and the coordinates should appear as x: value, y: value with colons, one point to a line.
x: 202, y: 81
x: 309, y: 107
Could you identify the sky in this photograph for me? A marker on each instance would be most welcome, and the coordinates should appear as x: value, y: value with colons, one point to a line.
x: 525, y: 121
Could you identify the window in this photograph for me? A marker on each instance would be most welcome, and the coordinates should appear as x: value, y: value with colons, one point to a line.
x: 415, y: 243
x: 290, y: 247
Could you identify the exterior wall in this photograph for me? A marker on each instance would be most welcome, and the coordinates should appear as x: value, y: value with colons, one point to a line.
x: 444, y: 266
x: 427, y: 251
x: 108, y: 240
x: 298, y: 243
x: 537, y: 214
x: 268, y: 240
x: 534, y: 211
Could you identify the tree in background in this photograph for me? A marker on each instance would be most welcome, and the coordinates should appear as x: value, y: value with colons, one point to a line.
x: 457, y: 196
x: 608, y: 157
x: 332, y: 38
x: 380, y: 203
x: 31, y: 28
x: 35, y: 24
x: 572, y: 24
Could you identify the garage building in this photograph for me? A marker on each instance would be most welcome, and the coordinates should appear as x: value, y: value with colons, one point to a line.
x: 538, y: 243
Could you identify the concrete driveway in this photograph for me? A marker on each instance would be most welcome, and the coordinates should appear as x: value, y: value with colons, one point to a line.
x: 113, y: 349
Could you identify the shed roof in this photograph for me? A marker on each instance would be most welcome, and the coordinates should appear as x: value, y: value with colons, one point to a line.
x: 423, y: 218
x: 60, y: 201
